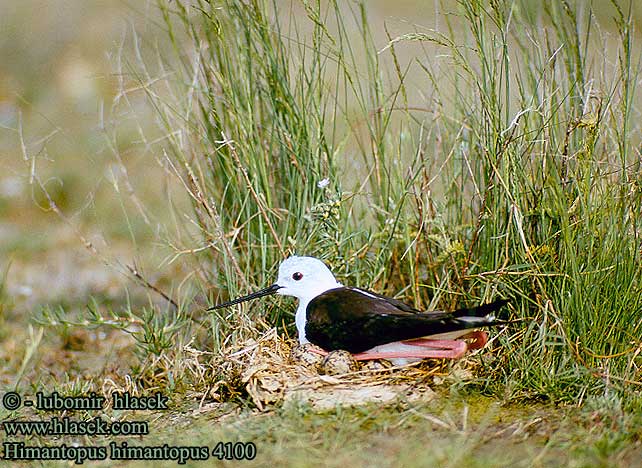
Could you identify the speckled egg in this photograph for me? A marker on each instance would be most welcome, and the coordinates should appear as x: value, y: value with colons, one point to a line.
x: 339, y: 362
x: 304, y: 355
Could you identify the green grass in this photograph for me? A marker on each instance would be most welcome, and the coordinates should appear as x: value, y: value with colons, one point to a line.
x: 505, y: 167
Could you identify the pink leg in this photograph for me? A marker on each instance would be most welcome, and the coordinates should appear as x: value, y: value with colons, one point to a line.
x: 436, y: 349
x: 479, y: 339
x: 427, y: 348
x: 456, y: 350
x: 428, y: 343
x: 317, y: 350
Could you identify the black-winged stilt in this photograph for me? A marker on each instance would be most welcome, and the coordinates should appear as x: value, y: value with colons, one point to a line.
x: 371, y: 326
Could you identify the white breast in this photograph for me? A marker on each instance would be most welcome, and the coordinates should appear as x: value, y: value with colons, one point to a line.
x: 300, y: 320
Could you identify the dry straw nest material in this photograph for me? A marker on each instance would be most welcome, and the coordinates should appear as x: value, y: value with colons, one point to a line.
x: 264, y: 370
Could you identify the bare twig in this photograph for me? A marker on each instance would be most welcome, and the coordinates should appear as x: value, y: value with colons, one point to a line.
x: 134, y: 271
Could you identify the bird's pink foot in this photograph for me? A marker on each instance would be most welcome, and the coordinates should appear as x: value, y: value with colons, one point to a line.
x: 478, y: 339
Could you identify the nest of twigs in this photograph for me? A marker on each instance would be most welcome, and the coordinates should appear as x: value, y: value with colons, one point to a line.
x: 263, y: 370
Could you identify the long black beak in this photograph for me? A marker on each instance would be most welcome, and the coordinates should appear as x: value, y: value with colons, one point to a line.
x: 263, y: 292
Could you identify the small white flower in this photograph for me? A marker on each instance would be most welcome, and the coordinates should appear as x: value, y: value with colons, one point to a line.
x: 11, y: 187
x: 323, y: 183
x: 25, y: 290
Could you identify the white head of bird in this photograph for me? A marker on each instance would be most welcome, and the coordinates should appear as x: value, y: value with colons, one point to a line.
x: 302, y: 277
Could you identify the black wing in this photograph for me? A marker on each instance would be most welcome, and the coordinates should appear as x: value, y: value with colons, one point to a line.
x: 357, y: 320
x: 402, y: 306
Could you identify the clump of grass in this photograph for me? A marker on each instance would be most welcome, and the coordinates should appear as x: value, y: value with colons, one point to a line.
x: 514, y: 174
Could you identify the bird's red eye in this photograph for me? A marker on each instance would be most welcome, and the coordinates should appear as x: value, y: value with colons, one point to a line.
x: 297, y: 276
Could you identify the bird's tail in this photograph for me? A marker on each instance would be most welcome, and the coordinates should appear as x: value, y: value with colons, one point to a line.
x: 485, y: 314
